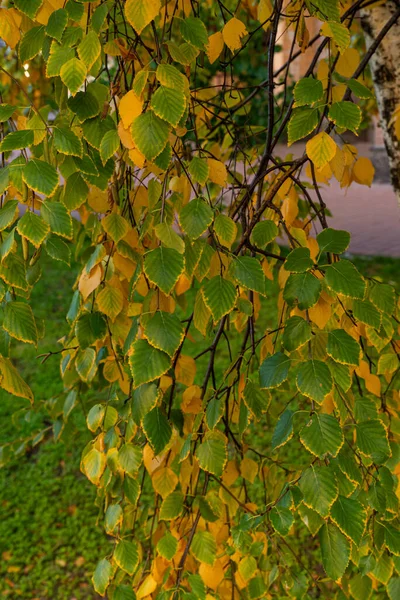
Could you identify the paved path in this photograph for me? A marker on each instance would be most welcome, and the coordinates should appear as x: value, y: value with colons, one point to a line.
x: 371, y: 215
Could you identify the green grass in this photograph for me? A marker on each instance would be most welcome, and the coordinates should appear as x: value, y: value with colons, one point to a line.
x: 49, y: 538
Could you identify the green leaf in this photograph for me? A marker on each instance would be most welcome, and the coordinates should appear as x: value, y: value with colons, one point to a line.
x: 264, y: 233
x: 249, y: 274
x: 76, y: 191
x: 359, y: 90
x: 122, y: 592
x: 274, y: 370
x: 338, y: 32
x: 109, y: 145
x: 89, y: 49
x: 12, y: 382
x: 6, y: 112
x: 73, y: 74
x: 59, y: 56
x: 346, y: 115
x: 157, y: 429
x: 319, y: 488
x: 220, y: 296
x: 32, y: 43
x: 365, y: 312
x: 335, y: 551
x: 164, y: 331
x: 33, y: 228
x: 167, y: 546
x: 67, y: 142
x: 302, y: 122
x: 89, y: 328
x: 297, y: 333
x: 392, y: 539
x: 102, y: 576
x: 13, y: 271
x: 40, y: 177
x: 307, y: 91
x: 57, y: 23
x: 282, y: 519
x: 150, y: 134
x: 130, y: 458
x: 322, y: 435
x: 333, y: 240
x: 126, y: 555
x: 311, y: 519
x: 372, y: 438
x: 183, y: 54
x: 204, y: 547
x: 298, y: 260
x: 140, y: 13
x: 343, y: 278
x: 383, y: 297
x: 226, y: 230
x: 17, y: 140
x: 393, y: 588
x: 58, y: 249
x: 350, y: 516
x: 194, y: 32
x: 28, y: 7
x: 85, y: 105
x: 168, y: 236
x: 303, y: 289
x: 256, y: 399
x: 195, y: 217
x: 147, y: 363
x: 163, y: 267
x: 20, y: 323
x: 169, y: 104
x: 170, y: 77
x: 343, y: 348
x: 8, y: 214
x: 116, y: 226
x: 283, y: 431
x: 85, y: 364
x: 95, y: 417
x: 58, y: 217
x: 212, y: 454
x: 314, y: 380
x: 171, y: 507
x: 131, y: 489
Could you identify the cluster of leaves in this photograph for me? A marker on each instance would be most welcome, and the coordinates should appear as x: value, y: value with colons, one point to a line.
x: 131, y: 158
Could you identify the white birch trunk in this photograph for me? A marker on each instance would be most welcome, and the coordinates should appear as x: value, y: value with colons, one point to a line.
x: 385, y: 69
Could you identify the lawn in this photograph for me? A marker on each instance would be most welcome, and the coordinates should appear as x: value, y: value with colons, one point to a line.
x: 49, y: 538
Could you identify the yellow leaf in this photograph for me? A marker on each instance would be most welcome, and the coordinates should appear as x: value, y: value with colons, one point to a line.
x: 212, y: 576
x: 373, y: 384
x: 47, y: 8
x: 98, y: 200
x: 217, y: 171
x: 110, y: 301
x: 185, y: 370
x: 141, y: 12
x: 363, y: 171
x: 320, y: 313
x: 149, y: 584
x: 111, y: 371
x: 348, y: 62
x: 264, y: 12
x: 215, y: 46
x: 125, y: 136
x: 88, y: 282
x: 130, y: 107
x: 232, y: 32
x: 289, y: 209
x: 9, y: 30
x: 249, y: 469
x: 137, y: 157
x: 12, y: 382
x: 191, y: 400
x: 231, y: 473
x: 321, y: 149
x: 164, y: 481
